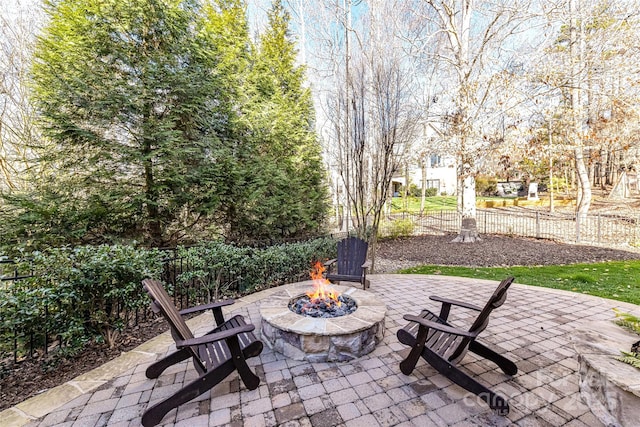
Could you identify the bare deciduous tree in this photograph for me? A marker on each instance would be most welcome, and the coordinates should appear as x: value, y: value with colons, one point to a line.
x: 18, y: 26
x: 370, y: 105
x: 475, y: 53
x: 590, y: 65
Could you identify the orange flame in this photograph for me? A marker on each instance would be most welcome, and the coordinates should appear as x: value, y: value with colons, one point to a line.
x: 316, y: 271
x: 322, y: 290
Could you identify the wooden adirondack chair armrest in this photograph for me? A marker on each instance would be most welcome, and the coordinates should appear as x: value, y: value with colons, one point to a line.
x: 216, y: 336
x: 328, y: 265
x: 447, y: 303
x: 330, y: 262
x: 216, y: 308
x: 439, y: 326
x: 204, y: 307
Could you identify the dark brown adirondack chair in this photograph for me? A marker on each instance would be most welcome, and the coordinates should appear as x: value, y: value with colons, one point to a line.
x: 352, y: 264
x: 215, y: 355
x: 442, y: 345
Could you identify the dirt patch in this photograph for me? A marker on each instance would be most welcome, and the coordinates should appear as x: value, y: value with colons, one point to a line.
x: 491, y: 251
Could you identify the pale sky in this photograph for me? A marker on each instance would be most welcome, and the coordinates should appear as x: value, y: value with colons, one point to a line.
x: 12, y: 6
x: 257, y: 9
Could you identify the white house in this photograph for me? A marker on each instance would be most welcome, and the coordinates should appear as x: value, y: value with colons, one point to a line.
x: 429, y: 164
x: 439, y: 172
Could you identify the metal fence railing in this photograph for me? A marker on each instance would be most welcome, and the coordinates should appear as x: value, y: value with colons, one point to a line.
x: 24, y: 342
x: 9, y: 271
x: 599, y: 229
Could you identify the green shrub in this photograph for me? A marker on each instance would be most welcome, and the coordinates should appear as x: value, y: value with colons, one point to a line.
x: 415, y: 191
x: 431, y: 192
x: 401, y: 228
x: 78, y: 294
x: 81, y: 294
x: 631, y: 323
x: 627, y: 321
x: 220, y: 269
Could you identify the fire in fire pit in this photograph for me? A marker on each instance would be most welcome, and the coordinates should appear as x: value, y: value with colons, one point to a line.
x: 322, y: 301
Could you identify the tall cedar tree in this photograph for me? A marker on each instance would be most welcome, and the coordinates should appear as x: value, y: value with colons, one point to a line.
x: 137, y: 110
x: 286, y: 193
x: 162, y: 124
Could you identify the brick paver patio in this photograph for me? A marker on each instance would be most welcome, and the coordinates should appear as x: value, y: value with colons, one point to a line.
x: 533, y: 328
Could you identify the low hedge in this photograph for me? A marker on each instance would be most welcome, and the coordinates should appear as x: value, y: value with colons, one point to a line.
x: 222, y: 269
x: 400, y: 228
x: 91, y: 293
x: 74, y: 295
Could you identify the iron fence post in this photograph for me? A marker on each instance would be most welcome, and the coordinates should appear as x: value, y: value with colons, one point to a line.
x: 46, y: 330
x: 485, y: 221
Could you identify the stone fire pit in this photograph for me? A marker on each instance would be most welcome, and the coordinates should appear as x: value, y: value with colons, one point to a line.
x: 322, y: 339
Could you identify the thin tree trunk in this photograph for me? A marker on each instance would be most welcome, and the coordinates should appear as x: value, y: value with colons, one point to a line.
x: 584, y: 187
x: 577, y: 49
x: 591, y: 170
x: 603, y: 169
x: 406, y: 186
x: 423, y: 194
x: 468, y: 231
x: 154, y: 225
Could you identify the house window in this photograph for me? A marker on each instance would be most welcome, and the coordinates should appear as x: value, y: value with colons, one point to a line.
x: 433, y: 183
x: 436, y: 161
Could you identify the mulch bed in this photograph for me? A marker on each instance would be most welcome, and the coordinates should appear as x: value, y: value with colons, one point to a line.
x: 494, y: 251
x: 34, y: 376
x: 31, y: 378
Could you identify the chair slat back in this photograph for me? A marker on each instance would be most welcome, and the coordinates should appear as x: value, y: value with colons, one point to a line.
x: 352, y: 253
x: 497, y: 299
x: 161, y: 299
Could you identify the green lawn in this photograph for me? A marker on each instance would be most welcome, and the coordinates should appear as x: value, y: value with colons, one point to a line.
x: 435, y: 203
x: 617, y: 280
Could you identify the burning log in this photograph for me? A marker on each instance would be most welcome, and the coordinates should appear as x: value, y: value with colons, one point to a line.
x: 323, y: 308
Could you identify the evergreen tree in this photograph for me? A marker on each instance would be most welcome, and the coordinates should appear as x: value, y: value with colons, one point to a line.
x: 163, y: 123
x: 287, y: 191
x: 138, y: 112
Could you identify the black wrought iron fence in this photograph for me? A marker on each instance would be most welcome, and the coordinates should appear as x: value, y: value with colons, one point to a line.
x: 188, y: 293
x: 9, y: 271
x: 40, y: 338
x: 599, y: 229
